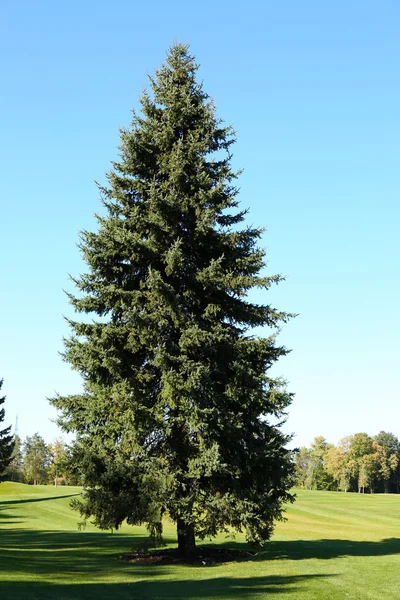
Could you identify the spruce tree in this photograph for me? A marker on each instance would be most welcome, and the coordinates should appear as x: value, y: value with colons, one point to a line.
x: 178, y: 402
x: 6, y: 440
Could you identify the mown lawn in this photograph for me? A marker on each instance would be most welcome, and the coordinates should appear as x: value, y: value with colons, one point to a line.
x: 334, y: 546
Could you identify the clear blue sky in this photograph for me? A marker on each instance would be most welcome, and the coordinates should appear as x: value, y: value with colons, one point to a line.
x: 313, y: 90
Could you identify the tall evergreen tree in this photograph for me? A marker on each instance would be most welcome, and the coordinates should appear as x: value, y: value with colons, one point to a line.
x: 6, y: 440
x: 178, y: 397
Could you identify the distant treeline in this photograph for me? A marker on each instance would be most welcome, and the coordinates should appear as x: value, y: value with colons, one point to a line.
x: 35, y: 462
x: 359, y: 463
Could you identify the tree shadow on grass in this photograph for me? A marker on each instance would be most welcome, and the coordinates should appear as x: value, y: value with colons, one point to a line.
x: 11, y: 519
x: 72, y: 548
x: 79, y: 565
x: 44, y: 499
x: 163, y: 589
x: 26, y: 540
x: 73, y: 565
x: 8, y: 517
x: 323, y: 549
x: 55, y: 553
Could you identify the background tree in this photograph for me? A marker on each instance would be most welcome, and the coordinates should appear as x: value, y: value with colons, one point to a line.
x: 302, y: 461
x: 363, y: 474
x: 364, y: 464
x: 6, y: 439
x: 178, y: 396
x: 367, y: 468
x: 361, y: 444
x: 14, y: 471
x: 37, y: 460
x: 359, y: 462
x: 341, y: 464
x: 311, y: 472
x: 58, y: 462
x: 390, y: 443
x: 387, y: 464
x: 318, y: 477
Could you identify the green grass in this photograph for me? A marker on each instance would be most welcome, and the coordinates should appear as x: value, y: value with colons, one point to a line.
x: 334, y: 546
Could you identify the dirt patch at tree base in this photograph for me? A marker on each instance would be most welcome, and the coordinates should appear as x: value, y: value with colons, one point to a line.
x: 203, y: 556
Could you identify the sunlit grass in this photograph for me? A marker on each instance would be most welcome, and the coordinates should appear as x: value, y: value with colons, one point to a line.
x: 333, y: 546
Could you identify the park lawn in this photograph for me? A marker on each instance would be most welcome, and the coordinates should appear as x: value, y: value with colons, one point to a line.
x: 334, y: 546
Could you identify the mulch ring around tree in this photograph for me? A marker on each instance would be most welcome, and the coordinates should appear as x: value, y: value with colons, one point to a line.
x: 203, y: 556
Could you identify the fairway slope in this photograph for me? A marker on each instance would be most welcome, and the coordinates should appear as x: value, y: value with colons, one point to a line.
x: 333, y: 546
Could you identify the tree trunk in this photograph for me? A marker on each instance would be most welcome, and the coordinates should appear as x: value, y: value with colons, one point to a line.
x: 186, y: 540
